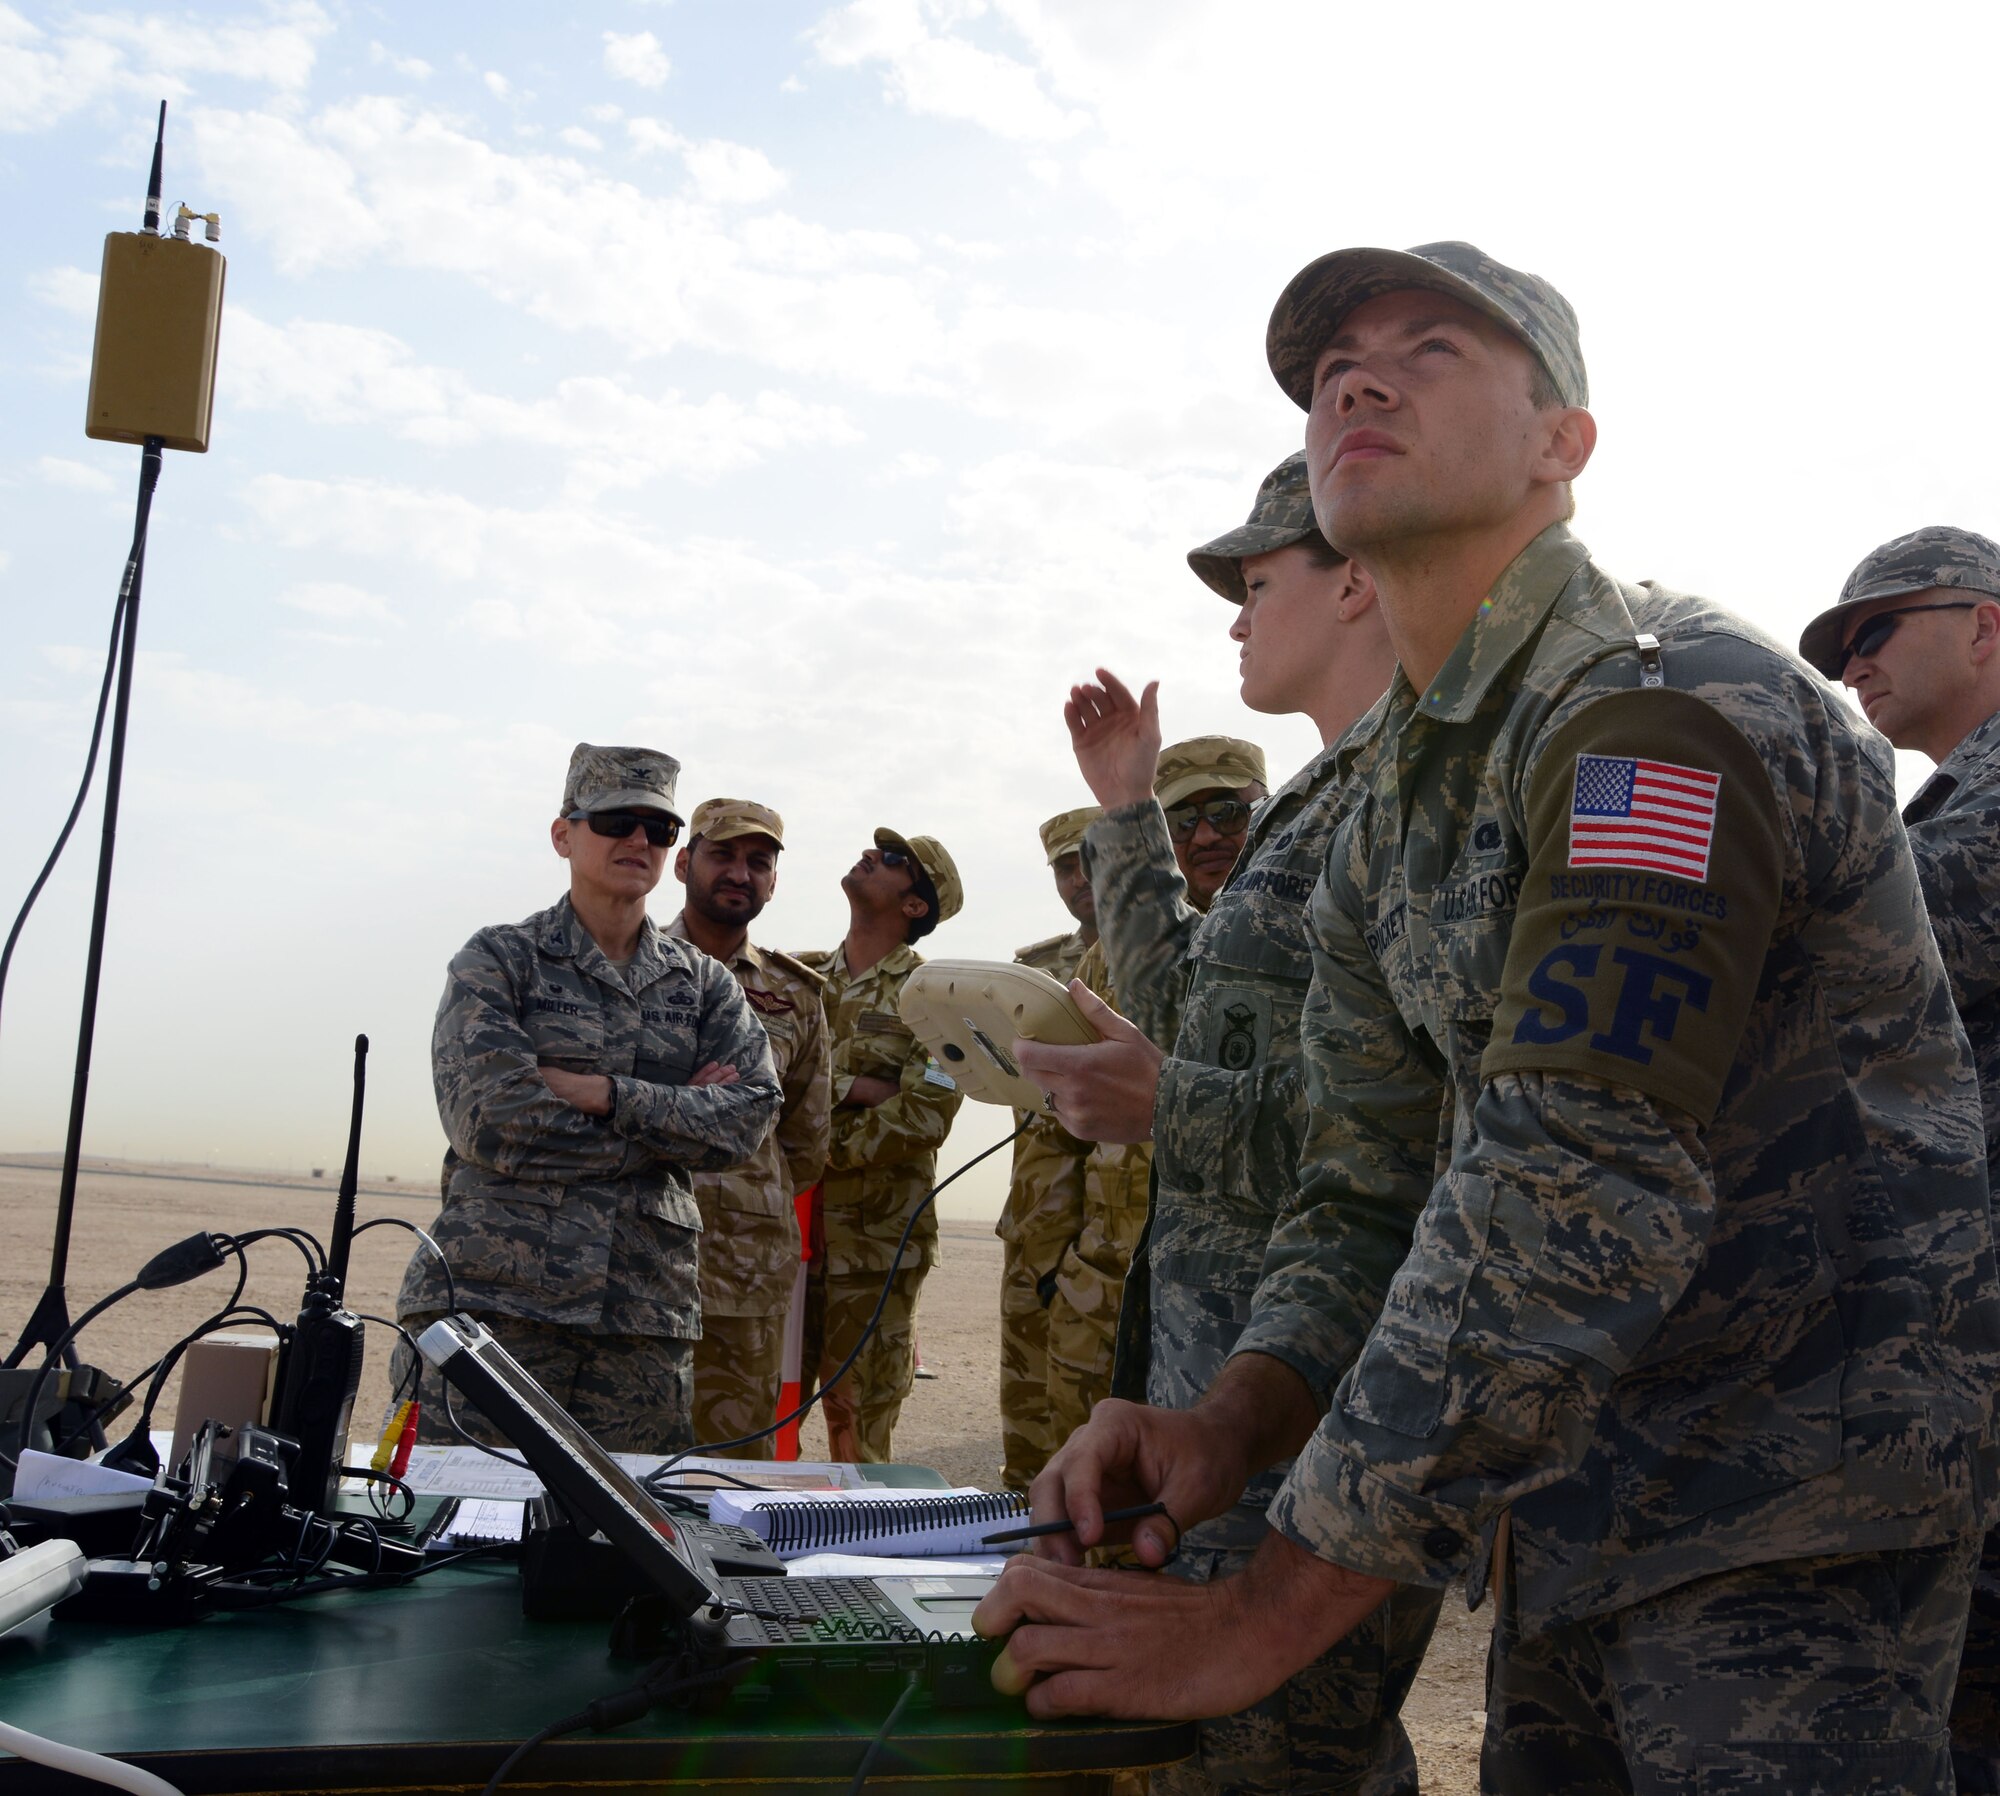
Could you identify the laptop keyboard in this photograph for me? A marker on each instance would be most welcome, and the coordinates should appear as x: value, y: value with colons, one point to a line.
x: 800, y: 1611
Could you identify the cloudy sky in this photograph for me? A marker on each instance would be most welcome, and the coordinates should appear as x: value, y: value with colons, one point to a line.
x: 814, y: 391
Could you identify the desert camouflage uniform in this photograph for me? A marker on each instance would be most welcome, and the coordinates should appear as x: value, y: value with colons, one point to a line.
x: 1083, y: 1311
x: 1227, y: 1129
x: 1647, y: 1210
x: 749, y: 1223
x: 880, y: 1164
x: 575, y: 1223
x: 1043, y: 1215
x: 1954, y: 824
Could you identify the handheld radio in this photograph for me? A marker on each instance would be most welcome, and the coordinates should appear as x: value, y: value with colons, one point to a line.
x: 322, y: 1368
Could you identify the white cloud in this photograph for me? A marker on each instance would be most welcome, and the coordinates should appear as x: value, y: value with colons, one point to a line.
x: 608, y: 432
x: 732, y: 174
x: 413, y: 67
x: 338, y: 602
x: 940, y: 72
x: 71, y: 290
x: 636, y: 57
x: 49, y: 74
x: 604, y: 112
x: 579, y: 139
x: 78, y: 476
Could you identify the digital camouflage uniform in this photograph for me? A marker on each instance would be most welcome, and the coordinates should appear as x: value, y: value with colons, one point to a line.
x: 1227, y: 991
x: 881, y: 1162
x: 574, y: 1237
x: 1954, y: 825
x: 1644, y: 1204
x: 750, y: 1224
x: 1043, y: 1212
x: 1090, y: 1275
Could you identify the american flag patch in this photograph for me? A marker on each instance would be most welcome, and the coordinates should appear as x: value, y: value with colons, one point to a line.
x: 1642, y: 814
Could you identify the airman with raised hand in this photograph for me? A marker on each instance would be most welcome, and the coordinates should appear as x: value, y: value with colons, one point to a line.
x: 750, y: 1227
x: 892, y: 1106
x: 1640, y: 1266
x: 1226, y: 1105
x: 1916, y: 637
x: 1208, y: 787
x: 1044, y: 1208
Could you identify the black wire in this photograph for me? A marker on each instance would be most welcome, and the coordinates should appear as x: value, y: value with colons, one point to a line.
x: 307, y: 1244
x: 882, y: 1734
x: 397, y: 1222
x: 89, y: 769
x: 236, y: 1312
x: 415, y: 1379
x: 569, y: 1724
x: 888, y: 1284
x: 24, y: 1428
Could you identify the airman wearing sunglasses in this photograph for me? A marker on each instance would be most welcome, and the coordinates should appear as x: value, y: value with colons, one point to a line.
x: 586, y: 1063
x: 749, y: 1221
x: 1208, y: 788
x: 1916, y: 635
x: 892, y: 1107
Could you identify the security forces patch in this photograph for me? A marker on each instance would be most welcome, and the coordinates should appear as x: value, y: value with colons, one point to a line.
x: 1239, y: 1028
x: 1643, y: 978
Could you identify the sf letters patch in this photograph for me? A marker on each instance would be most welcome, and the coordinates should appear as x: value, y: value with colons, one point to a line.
x: 1647, y: 908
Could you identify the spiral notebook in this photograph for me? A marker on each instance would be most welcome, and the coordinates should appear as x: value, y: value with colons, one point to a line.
x: 894, y: 1524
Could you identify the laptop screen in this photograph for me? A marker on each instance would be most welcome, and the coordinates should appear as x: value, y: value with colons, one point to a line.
x: 592, y: 1485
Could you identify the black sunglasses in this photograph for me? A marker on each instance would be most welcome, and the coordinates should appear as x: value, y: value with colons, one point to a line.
x: 895, y: 857
x: 920, y: 881
x: 661, y: 832
x: 1870, y: 638
x: 1226, y: 816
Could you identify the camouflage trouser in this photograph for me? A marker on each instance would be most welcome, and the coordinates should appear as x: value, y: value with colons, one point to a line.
x: 1975, y: 1704
x: 739, y: 1363
x: 861, y: 1409
x: 1333, y: 1726
x: 630, y: 1393
x: 1080, y: 1347
x: 1026, y: 1439
x: 1814, y: 1677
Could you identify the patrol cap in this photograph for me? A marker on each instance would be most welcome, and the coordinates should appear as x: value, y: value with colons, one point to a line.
x: 939, y: 868
x: 1937, y: 555
x: 724, y: 819
x: 1063, y: 833
x: 1202, y: 763
x: 1322, y: 294
x: 616, y: 779
x: 1281, y: 516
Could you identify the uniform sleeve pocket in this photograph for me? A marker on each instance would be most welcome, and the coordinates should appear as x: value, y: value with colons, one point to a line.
x: 1398, y: 1382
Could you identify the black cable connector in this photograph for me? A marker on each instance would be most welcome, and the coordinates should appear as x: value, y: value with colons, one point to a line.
x: 184, y: 1260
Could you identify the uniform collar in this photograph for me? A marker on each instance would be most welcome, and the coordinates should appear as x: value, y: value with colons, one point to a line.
x: 1506, y: 621
x: 561, y: 934
x: 1951, y: 772
x: 749, y: 955
x: 902, y: 958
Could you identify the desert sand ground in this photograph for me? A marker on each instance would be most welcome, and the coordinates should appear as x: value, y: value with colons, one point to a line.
x: 127, y: 1212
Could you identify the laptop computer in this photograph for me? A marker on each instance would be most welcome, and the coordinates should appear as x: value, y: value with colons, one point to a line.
x: 834, y: 1641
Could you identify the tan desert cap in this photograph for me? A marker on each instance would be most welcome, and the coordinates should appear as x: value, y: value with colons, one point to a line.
x: 1203, y: 763
x: 723, y: 819
x: 939, y: 868
x: 1063, y: 834
x: 619, y: 779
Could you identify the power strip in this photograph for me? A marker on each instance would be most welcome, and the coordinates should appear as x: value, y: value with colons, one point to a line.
x: 37, y: 1578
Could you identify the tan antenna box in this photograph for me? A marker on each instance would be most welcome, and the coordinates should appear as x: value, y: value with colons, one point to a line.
x: 159, y: 319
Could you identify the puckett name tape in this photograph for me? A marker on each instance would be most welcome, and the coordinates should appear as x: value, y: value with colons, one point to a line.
x: 1634, y: 813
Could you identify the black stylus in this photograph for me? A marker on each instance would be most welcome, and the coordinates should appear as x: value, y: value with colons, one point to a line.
x: 1040, y: 1528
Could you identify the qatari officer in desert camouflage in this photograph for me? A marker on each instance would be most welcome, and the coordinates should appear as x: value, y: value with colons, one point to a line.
x: 586, y: 1063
